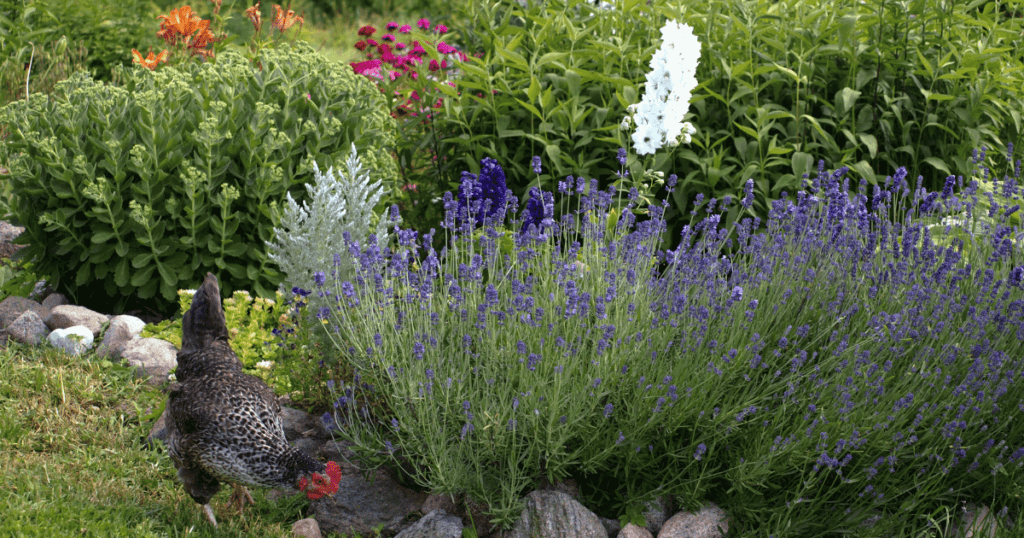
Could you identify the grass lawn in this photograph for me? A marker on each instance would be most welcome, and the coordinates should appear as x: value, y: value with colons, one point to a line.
x: 75, y: 465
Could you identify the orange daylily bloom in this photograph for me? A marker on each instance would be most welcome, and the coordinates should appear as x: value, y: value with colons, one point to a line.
x: 202, y: 38
x: 284, y: 21
x: 151, y: 61
x: 253, y: 14
x: 181, y: 22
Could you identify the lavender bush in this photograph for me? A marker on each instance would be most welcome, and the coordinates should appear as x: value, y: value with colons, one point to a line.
x: 838, y: 364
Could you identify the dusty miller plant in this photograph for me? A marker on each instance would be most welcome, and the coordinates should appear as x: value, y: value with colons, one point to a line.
x: 313, y: 233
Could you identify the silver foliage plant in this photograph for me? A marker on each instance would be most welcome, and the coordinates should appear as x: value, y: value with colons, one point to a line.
x: 311, y: 234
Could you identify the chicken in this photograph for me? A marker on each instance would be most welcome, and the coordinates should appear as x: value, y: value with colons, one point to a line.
x: 225, y: 425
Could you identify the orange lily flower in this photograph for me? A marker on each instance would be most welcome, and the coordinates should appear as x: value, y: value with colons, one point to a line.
x: 284, y: 21
x: 202, y: 38
x: 181, y: 21
x: 253, y: 14
x: 151, y: 61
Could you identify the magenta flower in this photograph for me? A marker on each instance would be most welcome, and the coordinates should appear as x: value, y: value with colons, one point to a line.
x: 370, y: 68
x: 441, y: 29
x: 405, y: 29
x: 391, y: 26
x: 388, y: 37
x: 445, y: 48
x: 434, y: 66
x: 424, y: 24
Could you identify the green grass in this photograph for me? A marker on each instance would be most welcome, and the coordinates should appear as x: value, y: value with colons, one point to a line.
x: 74, y: 462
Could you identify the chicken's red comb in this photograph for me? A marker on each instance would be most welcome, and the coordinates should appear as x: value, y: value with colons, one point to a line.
x: 334, y: 473
x: 323, y: 485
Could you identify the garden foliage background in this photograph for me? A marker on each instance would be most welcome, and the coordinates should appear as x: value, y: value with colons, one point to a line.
x: 900, y: 97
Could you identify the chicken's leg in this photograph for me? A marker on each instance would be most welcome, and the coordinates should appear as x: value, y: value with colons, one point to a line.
x: 239, y: 497
x: 208, y: 512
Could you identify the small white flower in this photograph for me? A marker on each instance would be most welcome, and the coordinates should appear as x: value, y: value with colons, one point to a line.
x: 624, y: 126
x: 265, y: 365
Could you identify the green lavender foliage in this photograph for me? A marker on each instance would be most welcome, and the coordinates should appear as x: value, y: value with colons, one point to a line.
x: 138, y: 190
x: 312, y: 233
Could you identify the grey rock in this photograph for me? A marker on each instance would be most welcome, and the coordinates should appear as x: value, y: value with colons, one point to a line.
x: 702, y: 524
x: 657, y: 513
x: 360, y: 506
x: 436, y: 524
x: 73, y: 340
x: 553, y: 514
x: 54, y: 299
x: 633, y: 531
x: 309, y: 445
x: 132, y: 323
x: 158, y: 432
x: 64, y: 316
x: 114, y: 339
x: 976, y: 522
x: 297, y: 423
x: 439, y: 501
x: 28, y: 328
x: 611, y: 525
x: 154, y: 357
x: 306, y: 528
x: 12, y: 308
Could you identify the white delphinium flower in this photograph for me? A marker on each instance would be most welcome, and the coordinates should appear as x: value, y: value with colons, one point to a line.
x: 659, y: 116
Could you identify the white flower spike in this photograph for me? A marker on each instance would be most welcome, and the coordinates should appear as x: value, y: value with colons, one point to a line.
x: 659, y: 115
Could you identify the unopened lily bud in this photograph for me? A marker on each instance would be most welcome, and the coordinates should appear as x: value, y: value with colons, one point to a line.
x: 61, y: 47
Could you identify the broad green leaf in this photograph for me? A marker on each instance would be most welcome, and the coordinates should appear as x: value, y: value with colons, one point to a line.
x: 938, y: 164
x: 534, y: 90
x: 871, y: 142
x: 802, y: 163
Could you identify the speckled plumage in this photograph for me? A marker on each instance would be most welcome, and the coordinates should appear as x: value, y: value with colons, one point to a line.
x: 225, y: 425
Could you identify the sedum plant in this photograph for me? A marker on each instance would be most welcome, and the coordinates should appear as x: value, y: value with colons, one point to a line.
x: 139, y: 189
x: 313, y: 235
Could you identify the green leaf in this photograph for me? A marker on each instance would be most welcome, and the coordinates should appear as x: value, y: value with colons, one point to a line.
x: 534, y: 90
x: 121, y: 273
x: 939, y: 165
x: 142, y: 259
x: 102, y: 237
x: 871, y: 142
x: 752, y: 133
x: 845, y: 99
x: 143, y: 276
x: 802, y: 163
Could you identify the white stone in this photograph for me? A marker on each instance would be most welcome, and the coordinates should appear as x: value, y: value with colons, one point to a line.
x: 73, y: 340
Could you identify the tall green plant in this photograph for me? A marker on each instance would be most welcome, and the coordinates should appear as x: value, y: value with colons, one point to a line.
x: 138, y: 190
x: 869, y: 85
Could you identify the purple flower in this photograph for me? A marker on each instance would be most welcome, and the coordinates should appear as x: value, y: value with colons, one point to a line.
x: 701, y: 450
x: 483, y: 196
x: 621, y: 156
x: 748, y: 194
x: 608, y: 410
x: 535, y: 162
x: 319, y: 278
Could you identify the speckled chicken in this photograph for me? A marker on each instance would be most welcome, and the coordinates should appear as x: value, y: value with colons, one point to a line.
x: 225, y: 425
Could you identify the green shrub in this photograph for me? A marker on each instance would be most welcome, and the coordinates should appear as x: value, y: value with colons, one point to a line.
x: 141, y: 189
x: 869, y: 85
x: 107, y: 29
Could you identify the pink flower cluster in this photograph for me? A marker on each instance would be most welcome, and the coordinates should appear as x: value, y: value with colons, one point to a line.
x: 401, y: 57
x: 390, y: 59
